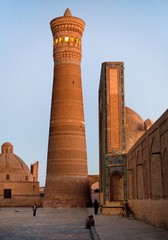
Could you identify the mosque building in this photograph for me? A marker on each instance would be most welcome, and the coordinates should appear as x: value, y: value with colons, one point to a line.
x: 119, y: 128
x: 19, y: 186
x: 133, y: 153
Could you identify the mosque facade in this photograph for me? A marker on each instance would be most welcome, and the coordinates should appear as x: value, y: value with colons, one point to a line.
x: 19, y: 186
x: 147, y: 179
x: 133, y: 154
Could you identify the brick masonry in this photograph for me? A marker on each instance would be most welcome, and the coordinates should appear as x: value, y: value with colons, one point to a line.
x: 67, y: 177
x: 147, y: 168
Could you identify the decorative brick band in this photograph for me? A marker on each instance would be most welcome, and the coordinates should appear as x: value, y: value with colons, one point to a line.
x: 70, y: 24
x: 69, y: 56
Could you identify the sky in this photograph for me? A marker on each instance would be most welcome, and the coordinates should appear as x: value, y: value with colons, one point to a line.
x: 132, y: 31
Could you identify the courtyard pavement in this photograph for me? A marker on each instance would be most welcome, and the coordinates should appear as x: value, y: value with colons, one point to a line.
x: 49, y: 223
x: 63, y: 224
x: 117, y: 228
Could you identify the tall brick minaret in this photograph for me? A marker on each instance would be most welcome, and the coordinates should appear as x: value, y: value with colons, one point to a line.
x: 67, y: 176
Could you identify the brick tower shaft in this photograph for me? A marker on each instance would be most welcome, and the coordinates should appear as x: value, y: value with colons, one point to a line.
x: 67, y: 177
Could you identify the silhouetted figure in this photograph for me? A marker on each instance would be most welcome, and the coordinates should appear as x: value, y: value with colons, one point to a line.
x: 34, y: 210
x: 96, y: 206
x: 89, y: 222
x: 91, y: 219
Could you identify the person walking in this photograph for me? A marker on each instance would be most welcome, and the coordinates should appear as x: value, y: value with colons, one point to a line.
x: 96, y: 206
x: 34, y: 210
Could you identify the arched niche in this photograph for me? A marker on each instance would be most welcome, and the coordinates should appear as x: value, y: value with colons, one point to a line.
x: 116, y: 186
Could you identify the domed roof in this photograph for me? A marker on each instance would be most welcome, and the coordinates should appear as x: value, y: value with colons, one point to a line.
x: 11, y: 164
x: 134, y: 127
x: 133, y: 121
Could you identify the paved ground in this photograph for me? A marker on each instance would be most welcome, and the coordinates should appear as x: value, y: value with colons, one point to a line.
x: 116, y: 228
x: 63, y: 224
x: 57, y: 224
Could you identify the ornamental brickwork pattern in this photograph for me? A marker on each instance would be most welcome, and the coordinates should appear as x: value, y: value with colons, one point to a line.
x: 112, y: 131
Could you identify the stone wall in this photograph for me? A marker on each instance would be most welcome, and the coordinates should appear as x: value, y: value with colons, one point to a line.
x: 147, y: 169
x: 23, y: 194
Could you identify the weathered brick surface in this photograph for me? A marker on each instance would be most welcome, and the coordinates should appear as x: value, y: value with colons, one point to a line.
x: 147, y: 167
x: 16, y: 178
x: 67, y: 177
x: 112, y: 137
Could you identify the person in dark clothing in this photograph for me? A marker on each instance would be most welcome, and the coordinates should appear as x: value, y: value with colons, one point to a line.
x: 96, y: 206
x: 92, y: 221
x: 89, y: 222
x: 34, y: 210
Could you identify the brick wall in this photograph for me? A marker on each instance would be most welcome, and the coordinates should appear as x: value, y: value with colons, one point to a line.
x: 147, y: 168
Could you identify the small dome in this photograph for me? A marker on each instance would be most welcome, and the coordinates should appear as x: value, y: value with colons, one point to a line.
x: 7, y: 147
x: 11, y: 164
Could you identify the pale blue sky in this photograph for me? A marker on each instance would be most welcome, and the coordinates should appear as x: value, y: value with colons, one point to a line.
x: 132, y: 31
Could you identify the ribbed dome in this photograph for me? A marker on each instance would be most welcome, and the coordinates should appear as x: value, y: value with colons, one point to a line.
x: 13, y: 165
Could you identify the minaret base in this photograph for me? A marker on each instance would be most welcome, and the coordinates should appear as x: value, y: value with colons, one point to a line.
x: 69, y: 192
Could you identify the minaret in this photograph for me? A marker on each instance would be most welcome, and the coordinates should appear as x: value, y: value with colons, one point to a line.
x: 67, y: 176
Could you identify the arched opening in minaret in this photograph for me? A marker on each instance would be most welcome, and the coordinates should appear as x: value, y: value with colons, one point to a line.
x: 66, y: 39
